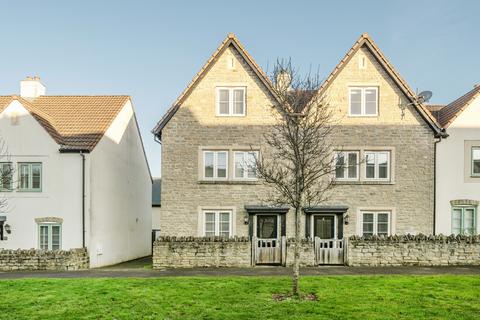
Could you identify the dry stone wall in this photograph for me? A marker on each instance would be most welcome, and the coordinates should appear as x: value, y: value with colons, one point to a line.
x: 34, y: 259
x: 190, y: 252
x: 410, y: 250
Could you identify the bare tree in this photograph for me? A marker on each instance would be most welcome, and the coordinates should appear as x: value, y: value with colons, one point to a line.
x: 297, y: 154
x: 6, y: 174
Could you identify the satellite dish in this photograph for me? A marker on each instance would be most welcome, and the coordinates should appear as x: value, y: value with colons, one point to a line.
x: 425, y: 96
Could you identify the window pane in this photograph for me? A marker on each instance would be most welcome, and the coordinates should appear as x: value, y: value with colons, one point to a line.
x: 370, y: 165
x: 468, y: 221
x: 44, y: 237
x: 55, y: 237
x: 209, y: 224
x: 367, y: 224
x: 36, y: 173
x: 6, y: 176
x: 382, y: 224
x: 24, y: 176
x: 239, y: 161
x: 238, y: 101
x: 223, y: 102
x: 370, y: 101
x: 382, y: 159
x: 208, y: 163
x: 224, y: 224
x: 251, y: 164
x: 356, y: 101
x: 340, y: 165
x: 221, y: 164
x: 352, y: 165
x: 456, y: 221
x: 476, y: 160
x: 476, y: 167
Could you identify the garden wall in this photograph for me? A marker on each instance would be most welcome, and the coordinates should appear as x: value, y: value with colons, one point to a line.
x: 307, y: 253
x: 419, y: 250
x: 34, y: 259
x: 185, y: 252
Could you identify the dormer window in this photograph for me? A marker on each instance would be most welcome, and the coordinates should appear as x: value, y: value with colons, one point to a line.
x: 363, y: 101
x: 230, y: 101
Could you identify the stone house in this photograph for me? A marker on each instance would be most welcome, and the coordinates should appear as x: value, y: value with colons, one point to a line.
x: 385, y: 171
x: 458, y: 166
x: 74, y: 176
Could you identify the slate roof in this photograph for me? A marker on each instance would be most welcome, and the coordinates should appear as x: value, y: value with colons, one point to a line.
x: 74, y: 122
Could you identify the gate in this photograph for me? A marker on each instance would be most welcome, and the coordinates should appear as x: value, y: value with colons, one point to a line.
x: 269, y: 251
x: 329, y: 251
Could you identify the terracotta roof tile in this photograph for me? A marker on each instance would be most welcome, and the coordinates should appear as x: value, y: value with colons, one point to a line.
x: 453, y: 109
x: 74, y: 122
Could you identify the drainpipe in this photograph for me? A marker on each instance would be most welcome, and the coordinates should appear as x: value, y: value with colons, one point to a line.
x: 439, y: 137
x: 83, y: 198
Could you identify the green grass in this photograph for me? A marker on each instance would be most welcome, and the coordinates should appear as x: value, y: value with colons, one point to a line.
x: 340, y: 297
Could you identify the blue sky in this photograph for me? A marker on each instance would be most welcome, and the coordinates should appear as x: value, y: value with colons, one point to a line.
x: 151, y: 49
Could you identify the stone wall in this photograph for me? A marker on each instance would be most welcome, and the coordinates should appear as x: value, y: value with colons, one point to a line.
x: 34, y: 259
x: 417, y: 250
x: 186, y: 252
x: 307, y: 253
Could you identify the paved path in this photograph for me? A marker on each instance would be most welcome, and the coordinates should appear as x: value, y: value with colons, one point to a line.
x: 141, y: 269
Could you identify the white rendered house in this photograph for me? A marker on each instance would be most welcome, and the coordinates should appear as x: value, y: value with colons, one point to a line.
x: 75, y: 175
x: 458, y: 166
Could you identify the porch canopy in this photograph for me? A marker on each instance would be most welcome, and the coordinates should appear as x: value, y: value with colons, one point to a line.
x: 253, y: 210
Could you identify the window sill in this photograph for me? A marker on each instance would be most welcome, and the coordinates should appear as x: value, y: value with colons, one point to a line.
x: 356, y: 182
x: 228, y: 182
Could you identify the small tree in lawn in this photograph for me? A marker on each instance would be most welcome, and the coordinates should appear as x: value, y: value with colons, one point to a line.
x: 296, y: 158
x: 6, y: 174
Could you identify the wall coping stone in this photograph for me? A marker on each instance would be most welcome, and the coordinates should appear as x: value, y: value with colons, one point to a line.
x: 416, y: 238
x: 201, y: 239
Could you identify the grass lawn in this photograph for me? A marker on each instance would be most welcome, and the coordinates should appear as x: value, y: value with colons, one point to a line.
x: 339, y: 297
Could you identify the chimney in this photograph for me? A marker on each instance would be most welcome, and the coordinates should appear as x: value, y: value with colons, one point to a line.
x: 31, y: 87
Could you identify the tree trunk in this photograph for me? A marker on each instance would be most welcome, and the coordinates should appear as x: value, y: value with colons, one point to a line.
x: 296, y: 255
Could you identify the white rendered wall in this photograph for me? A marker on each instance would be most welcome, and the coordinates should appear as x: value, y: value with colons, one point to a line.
x: 451, y: 181
x: 61, y: 193
x: 121, y: 190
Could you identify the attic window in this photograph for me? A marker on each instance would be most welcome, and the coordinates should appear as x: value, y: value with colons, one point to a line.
x: 362, y: 62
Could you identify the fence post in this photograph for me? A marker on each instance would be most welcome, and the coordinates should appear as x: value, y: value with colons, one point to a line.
x: 284, y: 251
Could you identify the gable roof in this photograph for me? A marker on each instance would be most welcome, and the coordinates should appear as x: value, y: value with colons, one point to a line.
x: 230, y: 40
x: 366, y: 40
x: 74, y: 122
x: 450, y: 112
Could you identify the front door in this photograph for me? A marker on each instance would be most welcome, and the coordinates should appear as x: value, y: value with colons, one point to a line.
x: 267, y: 241
x: 328, y: 234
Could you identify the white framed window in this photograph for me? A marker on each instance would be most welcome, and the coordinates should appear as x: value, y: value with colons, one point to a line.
x: 30, y: 176
x: 376, y: 223
x: 245, y: 164
x: 346, y: 165
x: 363, y: 101
x: 377, y: 165
x: 6, y: 176
x: 230, y: 101
x: 49, y: 236
x: 215, y: 165
x: 464, y: 220
x: 217, y: 223
x: 475, y: 161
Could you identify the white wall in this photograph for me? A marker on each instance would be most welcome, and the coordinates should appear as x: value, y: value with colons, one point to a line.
x: 120, y: 198
x: 452, y: 183
x: 61, y: 193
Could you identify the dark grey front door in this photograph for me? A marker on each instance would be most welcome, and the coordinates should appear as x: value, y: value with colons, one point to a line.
x: 324, y: 226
